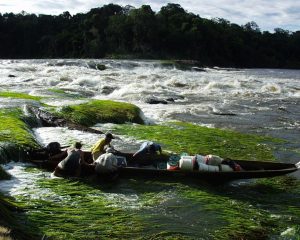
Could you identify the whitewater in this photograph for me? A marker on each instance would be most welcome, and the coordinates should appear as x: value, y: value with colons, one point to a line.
x: 260, y: 101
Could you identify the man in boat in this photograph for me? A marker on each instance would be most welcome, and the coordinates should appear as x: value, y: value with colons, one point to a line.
x: 106, y: 165
x: 71, y: 165
x: 51, y: 151
x: 100, y: 145
x: 151, y: 148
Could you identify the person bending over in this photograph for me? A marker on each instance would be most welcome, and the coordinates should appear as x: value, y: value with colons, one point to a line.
x: 100, y: 145
x: 148, y: 148
x: 71, y: 165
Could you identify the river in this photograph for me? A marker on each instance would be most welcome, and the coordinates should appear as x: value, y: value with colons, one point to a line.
x: 259, y: 101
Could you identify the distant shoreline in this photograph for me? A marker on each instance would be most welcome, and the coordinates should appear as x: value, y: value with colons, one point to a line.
x: 117, y: 32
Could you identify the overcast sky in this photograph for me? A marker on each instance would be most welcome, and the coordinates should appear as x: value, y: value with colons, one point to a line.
x: 268, y: 14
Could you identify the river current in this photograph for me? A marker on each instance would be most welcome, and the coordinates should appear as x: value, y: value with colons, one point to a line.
x: 262, y: 101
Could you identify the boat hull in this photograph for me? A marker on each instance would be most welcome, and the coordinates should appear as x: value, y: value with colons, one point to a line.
x: 142, y: 168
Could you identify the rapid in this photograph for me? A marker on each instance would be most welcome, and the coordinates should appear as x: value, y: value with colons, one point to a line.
x: 262, y: 101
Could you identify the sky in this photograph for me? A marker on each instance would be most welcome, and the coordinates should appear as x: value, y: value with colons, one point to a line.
x: 268, y: 14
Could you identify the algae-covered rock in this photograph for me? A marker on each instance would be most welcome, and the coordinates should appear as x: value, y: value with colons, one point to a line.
x: 102, y: 111
x: 15, y: 136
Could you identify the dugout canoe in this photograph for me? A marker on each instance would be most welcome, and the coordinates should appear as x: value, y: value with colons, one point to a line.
x: 147, y: 167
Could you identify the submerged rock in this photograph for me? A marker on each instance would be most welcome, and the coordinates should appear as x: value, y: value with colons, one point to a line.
x: 108, y: 90
x: 180, y: 85
x: 155, y: 101
x: 96, y: 66
x: 101, y: 67
x: 224, y: 113
x: 170, y: 99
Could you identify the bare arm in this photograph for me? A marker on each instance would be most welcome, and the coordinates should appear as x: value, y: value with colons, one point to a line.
x: 82, y: 161
x: 160, y: 151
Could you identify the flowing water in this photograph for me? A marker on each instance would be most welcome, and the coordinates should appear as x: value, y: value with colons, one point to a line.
x: 260, y: 101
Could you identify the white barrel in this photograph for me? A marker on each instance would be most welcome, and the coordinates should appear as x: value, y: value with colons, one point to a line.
x: 213, y: 160
x: 225, y: 168
x: 186, y: 163
x: 200, y: 159
x: 207, y: 168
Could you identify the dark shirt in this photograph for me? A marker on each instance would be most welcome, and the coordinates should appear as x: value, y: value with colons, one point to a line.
x: 72, y: 162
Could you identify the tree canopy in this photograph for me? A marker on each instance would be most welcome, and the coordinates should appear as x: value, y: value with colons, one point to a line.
x: 171, y: 33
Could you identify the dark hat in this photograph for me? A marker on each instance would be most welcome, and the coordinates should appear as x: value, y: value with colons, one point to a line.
x: 109, y: 135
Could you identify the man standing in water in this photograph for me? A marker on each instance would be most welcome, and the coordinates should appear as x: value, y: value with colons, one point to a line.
x: 100, y: 146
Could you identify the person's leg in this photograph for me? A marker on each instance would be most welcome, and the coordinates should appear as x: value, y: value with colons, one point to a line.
x: 58, y: 172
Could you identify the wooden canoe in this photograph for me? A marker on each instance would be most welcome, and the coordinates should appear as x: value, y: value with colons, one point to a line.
x: 146, y: 167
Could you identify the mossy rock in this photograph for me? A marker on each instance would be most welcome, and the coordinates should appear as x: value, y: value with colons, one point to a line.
x: 101, y: 111
x: 15, y: 135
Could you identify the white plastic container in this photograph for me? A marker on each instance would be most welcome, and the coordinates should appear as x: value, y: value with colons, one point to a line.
x: 225, y: 168
x: 213, y: 160
x: 200, y: 159
x: 186, y: 163
x: 207, y: 168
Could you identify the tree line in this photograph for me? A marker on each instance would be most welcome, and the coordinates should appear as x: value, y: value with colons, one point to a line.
x: 128, y: 32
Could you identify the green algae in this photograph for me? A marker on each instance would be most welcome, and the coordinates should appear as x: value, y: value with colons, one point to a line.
x: 19, y: 96
x: 245, y: 213
x: 6, y: 207
x: 84, y: 209
x: 14, y: 130
x: 101, y: 111
x: 186, y: 137
x: 8, y: 211
x: 75, y: 210
x: 64, y: 93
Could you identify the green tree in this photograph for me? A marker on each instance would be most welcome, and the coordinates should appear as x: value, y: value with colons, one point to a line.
x: 144, y: 28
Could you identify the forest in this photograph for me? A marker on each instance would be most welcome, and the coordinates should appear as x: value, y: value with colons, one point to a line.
x: 113, y: 31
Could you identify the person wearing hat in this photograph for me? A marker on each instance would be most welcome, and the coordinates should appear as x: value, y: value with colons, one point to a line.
x: 100, y: 146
